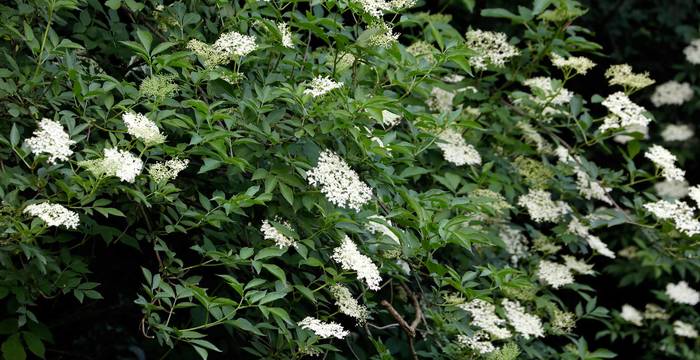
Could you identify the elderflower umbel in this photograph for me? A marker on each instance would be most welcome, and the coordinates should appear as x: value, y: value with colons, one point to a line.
x: 684, y: 329
x: 577, y: 228
x: 423, y: 49
x: 484, y: 317
x: 158, y: 86
x: 376, y: 225
x: 625, y: 113
x: 271, y: 233
x: 478, y: 342
x: 453, y: 78
x: 525, y: 324
x: 350, y: 258
x: 694, y: 193
x: 672, y: 189
x: 456, y: 150
x: 692, y: 52
x: 679, y: 211
x: 655, y: 312
x: 553, y: 274
x: 167, y: 170
x: 663, y: 159
x: 390, y: 119
x: 631, y: 315
x: 348, y: 305
x: 553, y: 95
x: 321, y: 85
x: 383, y: 35
x: 54, y: 214
x: 577, y: 265
x: 235, y: 44
x: 516, y: 243
x: 533, y: 137
x: 541, y: 207
x: 579, y: 64
x: 492, y: 49
x: 672, y: 93
x: 440, y: 100
x: 682, y: 293
x: 323, y: 329
x: 50, y: 138
x: 209, y: 56
x: 623, y: 75
x: 338, y: 182
x: 116, y: 162
x: 140, y: 127
x: 677, y: 132
x: 286, y: 35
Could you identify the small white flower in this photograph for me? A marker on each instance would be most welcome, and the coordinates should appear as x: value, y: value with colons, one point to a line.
x: 167, y: 170
x: 623, y: 75
x: 350, y: 258
x: 552, y: 95
x: 684, y: 329
x: 598, y: 245
x: 632, y: 315
x: 140, y: 127
x: 492, y: 49
x: 625, y: 113
x: 235, y: 44
x: 672, y: 189
x: 525, y: 324
x: 478, y: 342
x: 54, y: 214
x: 665, y: 160
x: 579, y: 64
x: 679, y: 211
x: 271, y: 233
x: 541, y: 207
x: 287, y: 40
x: 322, y: 85
x: 390, y: 119
x: 338, y: 182
x: 694, y: 193
x: 677, y: 132
x: 456, y: 150
x: 692, y: 52
x: 682, y: 293
x: 440, y: 100
x: 348, y: 305
x: 51, y: 139
x: 516, y: 243
x: 577, y: 265
x: 376, y: 225
x: 555, y: 275
x: 484, y: 317
x: 122, y: 164
x: 323, y: 329
x: 672, y: 93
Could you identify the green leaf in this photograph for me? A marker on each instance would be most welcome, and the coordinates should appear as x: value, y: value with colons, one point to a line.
x: 145, y: 38
x: 34, y: 343
x: 287, y: 193
x: 12, y: 348
x: 202, y: 352
x: 14, y: 135
x: 539, y: 6
x: 209, y: 165
x: 113, y: 4
x: 469, y: 4
x: 276, y: 270
x: 269, y: 252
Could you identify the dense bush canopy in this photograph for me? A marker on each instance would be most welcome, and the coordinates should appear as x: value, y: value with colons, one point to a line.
x: 347, y: 179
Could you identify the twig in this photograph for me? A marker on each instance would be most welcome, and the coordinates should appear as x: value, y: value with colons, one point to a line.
x: 410, y: 330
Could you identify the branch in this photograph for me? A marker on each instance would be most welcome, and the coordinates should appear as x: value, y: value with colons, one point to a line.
x: 410, y: 330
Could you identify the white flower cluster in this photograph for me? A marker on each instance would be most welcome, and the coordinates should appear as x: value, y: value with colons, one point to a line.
x: 484, y: 317
x: 587, y: 187
x: 630, y: 314
x: 235, y: 44
x: 140, y: 127
x: 533, y: 136
x: 516, y: 244
x: 525, y: 324
x: 51, y: 139
x: 271, y: 233
x: 390, y: 119
x: 286, y: 35
x: 672, y: 93
x: 167, y: 170
x: 554, y: 275
x: 672, y: 189
x: 350, y: 258
x: 323, y: 329
x: 321, y: 85
x: 677, y: 132
x: 440, y: 100
x: 623, y: 75
x: 377, y: 8
x: 492, y: 48
x: 655, y: 312
x: 692, y: 52
x: 376, y: 225
x: 682, y: 293
x: 665, y: 160
x: 577, y: 228
x: 625, y: 114
x: 577, y: 266
x: 694, y: 193
x: 339, y: 183
x: 348, y: 305
x: 579, y: 64
x: 478, y: 342
x: 684, y: 329
x: 383, y: 35
x: 552, y: 95
x: 54, y: 214
x: 679, y: 211
x: 541, y: 207
x: 453, y: 78
x: 456, y: 150
x: 119, y: 163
